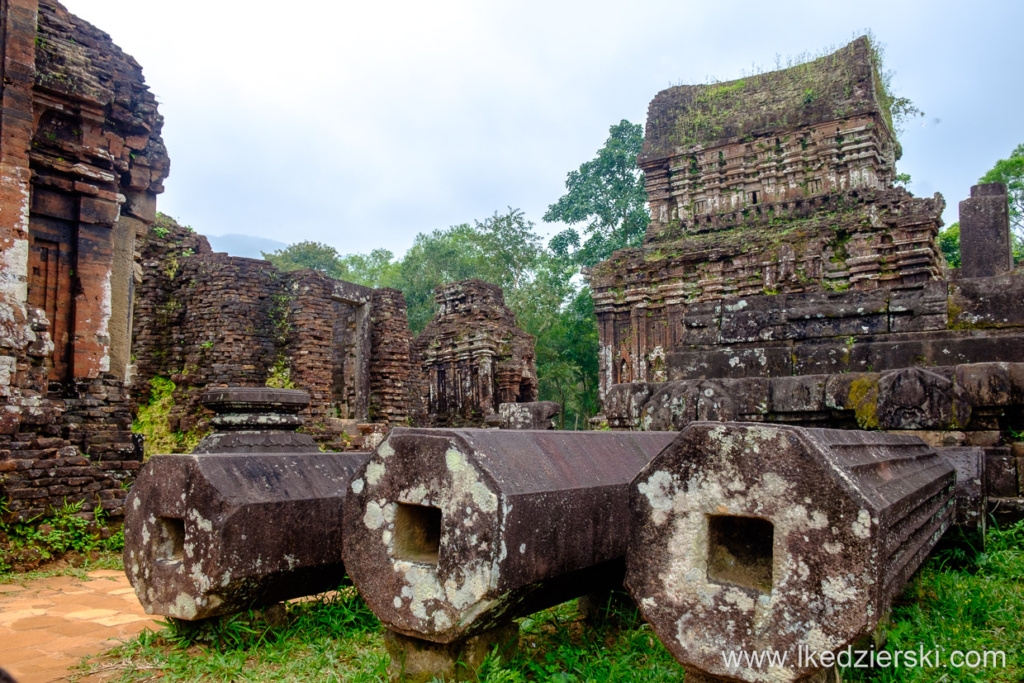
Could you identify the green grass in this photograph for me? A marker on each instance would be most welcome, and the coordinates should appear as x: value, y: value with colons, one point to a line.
x: 333, y: 638
x: 961, y: 599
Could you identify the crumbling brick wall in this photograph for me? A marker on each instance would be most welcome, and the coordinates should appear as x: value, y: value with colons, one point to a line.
x: 473, y: 356
x: 159, y: 333
x: 81, y: 163
x: 206, y: 319
x: 397, y: 389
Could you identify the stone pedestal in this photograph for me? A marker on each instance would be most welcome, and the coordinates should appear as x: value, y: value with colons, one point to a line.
x: 417, y: 661
x: 256, y: 420
x: 985, y: 248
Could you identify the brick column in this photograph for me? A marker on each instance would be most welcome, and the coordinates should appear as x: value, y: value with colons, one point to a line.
x: 17, y: 76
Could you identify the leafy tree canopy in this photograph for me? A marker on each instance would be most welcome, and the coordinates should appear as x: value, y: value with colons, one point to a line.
x: 316, y: 255
x: 949, y: 244
x: 606, y: 195
x: 376, y: 269
x: 502, y: 250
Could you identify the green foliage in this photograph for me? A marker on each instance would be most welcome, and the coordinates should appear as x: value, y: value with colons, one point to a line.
x: 376, y: 269
x: 66, y: 529
x: 281, y: 375
x: 567, y: 361
x: 607, y: 196
x: 315, y: 255
x: 949, y: 244
x: 153, y: 422
x: 1010, y: 172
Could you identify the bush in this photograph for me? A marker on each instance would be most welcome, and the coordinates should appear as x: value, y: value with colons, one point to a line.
x: 67, y: 530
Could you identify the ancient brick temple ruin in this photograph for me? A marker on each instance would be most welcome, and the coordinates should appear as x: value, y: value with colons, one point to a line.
x: 205, y: 319
x: 473, y: 355
x: 784, y: 279
x: 81, y: 163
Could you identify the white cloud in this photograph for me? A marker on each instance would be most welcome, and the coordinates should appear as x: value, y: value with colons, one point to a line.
x: 362, y: 124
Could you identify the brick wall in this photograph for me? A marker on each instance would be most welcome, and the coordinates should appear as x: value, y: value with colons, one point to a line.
x: 81, y: 163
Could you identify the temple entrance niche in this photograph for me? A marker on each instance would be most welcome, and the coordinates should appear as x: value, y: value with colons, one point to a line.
x: 350, y: 352
x: 50, y: 277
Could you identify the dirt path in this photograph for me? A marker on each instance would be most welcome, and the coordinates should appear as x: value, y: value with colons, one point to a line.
x: 47, y: 625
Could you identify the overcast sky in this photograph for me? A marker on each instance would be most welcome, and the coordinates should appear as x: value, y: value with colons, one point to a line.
x: 361, y: 124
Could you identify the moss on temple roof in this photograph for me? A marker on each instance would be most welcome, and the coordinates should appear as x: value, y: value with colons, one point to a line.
x: 843, y: 84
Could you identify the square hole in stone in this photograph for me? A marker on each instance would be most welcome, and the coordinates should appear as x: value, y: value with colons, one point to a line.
x: 417, y: 533
x: 169, y: 540
x: 740, y: 551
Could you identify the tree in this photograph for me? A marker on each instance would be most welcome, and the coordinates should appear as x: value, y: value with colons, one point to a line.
x: 316, y: 255
x: 949, y: 244
x: 607, y: 195
x: 502, y: 250
x: 1010, y: 172
x: 376, y: 269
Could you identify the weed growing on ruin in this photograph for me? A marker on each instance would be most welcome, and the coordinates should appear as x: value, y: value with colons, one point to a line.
x: 280, y: 376
x: 66, y: 530
x: 153, y: 422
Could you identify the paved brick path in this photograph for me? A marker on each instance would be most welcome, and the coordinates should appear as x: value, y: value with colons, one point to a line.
x: 47, y: 625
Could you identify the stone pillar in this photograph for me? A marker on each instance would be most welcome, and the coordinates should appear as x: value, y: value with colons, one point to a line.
x: 985, y: 245
x: 251, y: 518
x: 748, y: 538
x: 420, y: 661
x: 450, y: 533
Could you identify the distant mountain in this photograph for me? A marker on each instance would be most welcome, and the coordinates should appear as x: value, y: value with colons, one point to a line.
x: 244, y: 245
